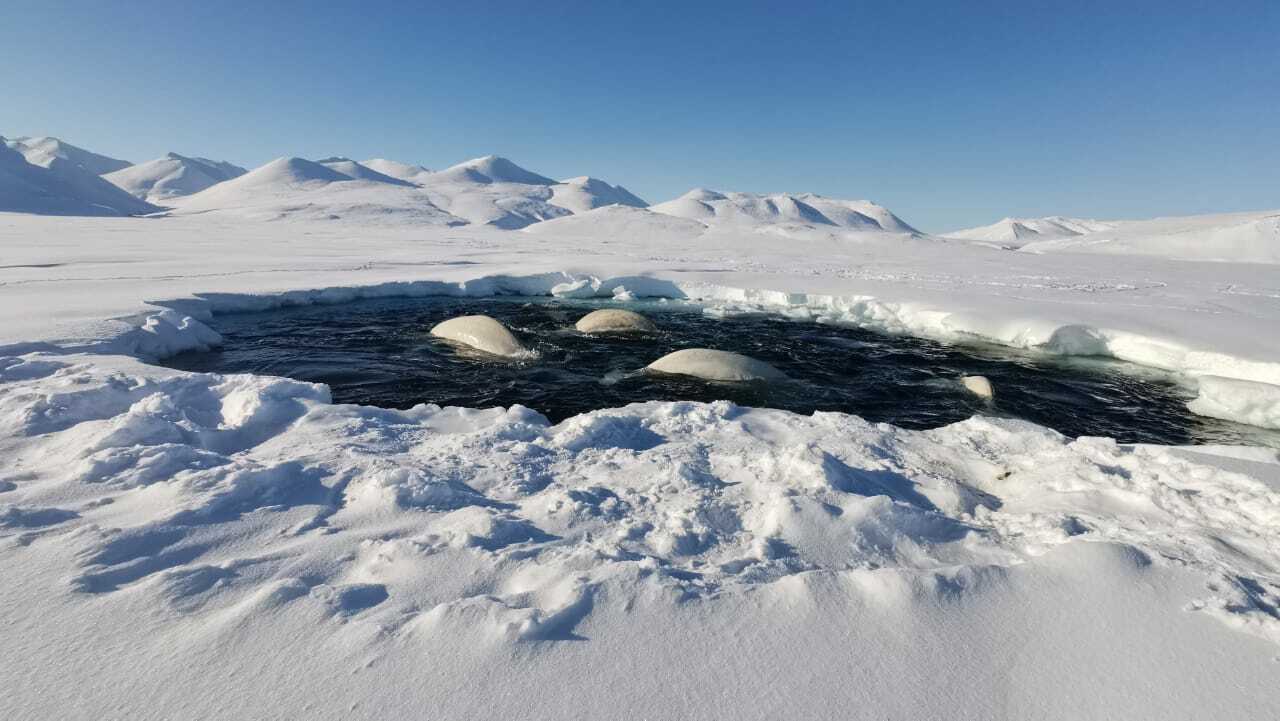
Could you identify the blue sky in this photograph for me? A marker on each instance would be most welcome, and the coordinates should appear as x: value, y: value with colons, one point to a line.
x: 951, y: 113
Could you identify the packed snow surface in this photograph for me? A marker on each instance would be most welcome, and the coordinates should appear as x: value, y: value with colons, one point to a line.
x: 237, y: 546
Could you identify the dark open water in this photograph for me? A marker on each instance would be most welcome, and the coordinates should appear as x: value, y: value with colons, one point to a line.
x: 379, y: 352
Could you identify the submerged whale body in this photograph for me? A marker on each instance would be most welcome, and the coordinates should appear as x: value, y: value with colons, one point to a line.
x: 482, y: 333
x: 715, y: 365
x: 614, y: 320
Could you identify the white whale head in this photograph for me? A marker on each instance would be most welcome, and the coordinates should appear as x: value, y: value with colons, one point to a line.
x: 715, y: 365
x: 482, y: 333
x: 614, y: 320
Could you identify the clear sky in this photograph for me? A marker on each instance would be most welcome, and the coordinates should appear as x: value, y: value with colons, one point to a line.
x: 950, y: 113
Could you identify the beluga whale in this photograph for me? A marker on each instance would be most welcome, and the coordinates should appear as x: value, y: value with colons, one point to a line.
x: 482, y: 333
x: 614, y: 320
x: 716, y: 365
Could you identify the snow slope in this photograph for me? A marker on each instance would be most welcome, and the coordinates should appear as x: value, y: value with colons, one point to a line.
x: 59, y: 186
x: 43, y: 150
x: 1017, y: 232
x: 171, y: 176
x: 749, y: 209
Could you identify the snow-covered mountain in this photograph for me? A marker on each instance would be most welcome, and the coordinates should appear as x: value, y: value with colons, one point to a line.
x: 59, y: 186
x: 618, y: 223
x: 171, y: 176
x: 1016, y: 232
x: 294, y: 188
x: 42, y: 150
x: 752, y: 209
x: 1252, y: 237
x: 495, y: 191
x: 358, y: 171
x: 484, y: 191
x: 585, y: 193
x: 396, y: 169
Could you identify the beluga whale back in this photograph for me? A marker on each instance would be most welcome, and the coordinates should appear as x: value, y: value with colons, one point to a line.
x: 482, y: 333
x: 716, y: 365
x: 614, y: 320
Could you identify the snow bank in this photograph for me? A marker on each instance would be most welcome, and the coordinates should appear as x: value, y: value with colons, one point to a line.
x: 240, y: 519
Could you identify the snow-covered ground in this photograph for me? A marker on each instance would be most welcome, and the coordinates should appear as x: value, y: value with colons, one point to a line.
x: 199, y: 546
